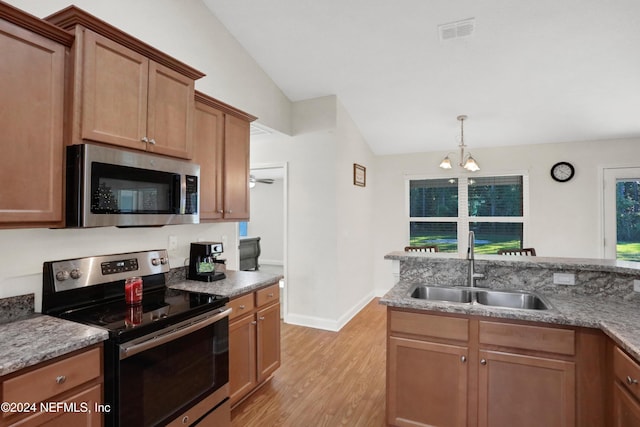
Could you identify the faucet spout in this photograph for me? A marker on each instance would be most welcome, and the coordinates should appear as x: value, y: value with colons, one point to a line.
x: 473, y: 276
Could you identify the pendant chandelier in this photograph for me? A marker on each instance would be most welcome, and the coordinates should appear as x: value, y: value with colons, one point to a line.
x: 467, y: 162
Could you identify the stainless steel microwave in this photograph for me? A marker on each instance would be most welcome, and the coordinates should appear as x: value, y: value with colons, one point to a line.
x: 115, y: 187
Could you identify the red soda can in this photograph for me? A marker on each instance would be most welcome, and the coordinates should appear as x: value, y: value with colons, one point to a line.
x: 133, y: 290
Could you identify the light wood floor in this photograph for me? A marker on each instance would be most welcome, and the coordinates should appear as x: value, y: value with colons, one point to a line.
x: 326, y: 378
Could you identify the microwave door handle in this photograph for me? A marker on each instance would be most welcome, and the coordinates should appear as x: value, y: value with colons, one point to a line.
x: 130, y: 349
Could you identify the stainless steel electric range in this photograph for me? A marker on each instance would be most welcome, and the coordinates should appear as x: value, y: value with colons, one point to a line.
x: 167, y: 357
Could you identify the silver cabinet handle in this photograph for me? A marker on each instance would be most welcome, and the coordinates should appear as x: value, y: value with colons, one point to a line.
x: 242, y: 307
x: 254, y: 323
x: 270, y: 295
x: 463, y: 359
x: 185, y: 419
x: 61, y: 379
x: 631, y: 381
x: 145, y: 139
x: 261, y: 318
x: 483, y: 362
x: 152, y: 141
x: 229, y: 211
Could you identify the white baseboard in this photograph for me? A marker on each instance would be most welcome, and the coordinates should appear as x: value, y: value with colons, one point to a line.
x: 329, y: 324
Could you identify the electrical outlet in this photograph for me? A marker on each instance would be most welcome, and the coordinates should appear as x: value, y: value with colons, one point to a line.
x: 564, y: 279
x: 636, y: 285
x: 173, y: 243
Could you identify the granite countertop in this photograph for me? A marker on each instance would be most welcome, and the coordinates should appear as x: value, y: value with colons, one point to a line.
x: 39, y: 338
x: 236, y: 283
x: 619, y: 319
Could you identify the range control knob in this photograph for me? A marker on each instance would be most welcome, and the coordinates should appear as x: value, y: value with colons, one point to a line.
x: 75, y: 274
x: 164, y: 260
x: 155, y: 261
x: 62, y: 275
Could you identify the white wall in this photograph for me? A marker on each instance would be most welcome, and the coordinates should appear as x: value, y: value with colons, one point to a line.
x: 267, y: 220
x: 565, y: 219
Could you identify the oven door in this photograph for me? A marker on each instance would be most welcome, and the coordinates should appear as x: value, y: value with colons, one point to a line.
x: 163, y: 375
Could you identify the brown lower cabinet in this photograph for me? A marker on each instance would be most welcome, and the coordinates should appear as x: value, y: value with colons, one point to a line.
x: 66, y: 391
x: 447, y: 370
x: 254, y: 340
x: 626, y: 390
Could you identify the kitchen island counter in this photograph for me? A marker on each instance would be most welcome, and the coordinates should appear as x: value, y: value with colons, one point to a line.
x: 603, y: 297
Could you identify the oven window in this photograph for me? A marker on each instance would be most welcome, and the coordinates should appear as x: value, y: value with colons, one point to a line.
x: 163, y: 382
x: 127, y: 190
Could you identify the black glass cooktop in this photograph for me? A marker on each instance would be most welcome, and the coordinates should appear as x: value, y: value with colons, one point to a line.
x: 158, y: 310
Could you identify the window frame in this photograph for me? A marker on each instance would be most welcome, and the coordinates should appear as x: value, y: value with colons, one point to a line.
x: 463, y: 219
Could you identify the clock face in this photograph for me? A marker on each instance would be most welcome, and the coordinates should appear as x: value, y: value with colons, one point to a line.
x: 562, y: 172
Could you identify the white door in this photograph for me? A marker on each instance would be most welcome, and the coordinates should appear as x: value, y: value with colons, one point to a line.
x: 621, y: 226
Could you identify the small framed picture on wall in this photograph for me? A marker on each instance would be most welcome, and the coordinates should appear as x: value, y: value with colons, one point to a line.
x: 359, y: 175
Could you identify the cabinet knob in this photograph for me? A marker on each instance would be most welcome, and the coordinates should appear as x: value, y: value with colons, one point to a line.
x: 270, y: 295
x: 261, y: 318
x: 254, y: 323
x: 60, y: 379
x: 229, y: 211
x: 463, y: 359
x: 631, y: 381
x: 242, y: 307
x: 145, y: 139
x: 185, y: 419
x: 152, y: 141
x: 220, y: 211
x: 483, y: 362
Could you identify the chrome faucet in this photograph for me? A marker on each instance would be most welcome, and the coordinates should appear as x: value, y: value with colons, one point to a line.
x: 473, y: 276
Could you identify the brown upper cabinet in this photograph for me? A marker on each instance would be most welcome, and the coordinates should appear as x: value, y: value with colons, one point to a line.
x: 221, y: 148
x: 31, y: 119
x: 124, y: 92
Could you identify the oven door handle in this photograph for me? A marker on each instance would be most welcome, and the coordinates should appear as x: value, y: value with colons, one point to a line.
x: 135, y: 347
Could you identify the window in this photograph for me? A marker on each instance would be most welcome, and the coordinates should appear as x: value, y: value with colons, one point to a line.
x: 442, y: 211
x: 622, y: 213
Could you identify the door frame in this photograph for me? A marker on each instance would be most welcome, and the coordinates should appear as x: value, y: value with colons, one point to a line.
x: 610, y: 175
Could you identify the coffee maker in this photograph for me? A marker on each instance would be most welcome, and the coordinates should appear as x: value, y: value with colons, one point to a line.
x: 203, y: 262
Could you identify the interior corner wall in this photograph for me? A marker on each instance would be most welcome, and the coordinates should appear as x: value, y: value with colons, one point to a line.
x: 565, y: 219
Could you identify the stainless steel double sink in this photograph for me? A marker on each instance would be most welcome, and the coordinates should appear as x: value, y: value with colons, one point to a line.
x: 505, y: 299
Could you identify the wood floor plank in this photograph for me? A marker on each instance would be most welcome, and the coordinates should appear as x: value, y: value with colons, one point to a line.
x: 326, y: 378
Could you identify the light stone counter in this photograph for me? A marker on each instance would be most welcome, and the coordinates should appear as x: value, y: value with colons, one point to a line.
x: 236, y: 283
x: 602, y: 298
x: 39, y: 338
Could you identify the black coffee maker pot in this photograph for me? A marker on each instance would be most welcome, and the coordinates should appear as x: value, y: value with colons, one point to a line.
x: 203, y: 262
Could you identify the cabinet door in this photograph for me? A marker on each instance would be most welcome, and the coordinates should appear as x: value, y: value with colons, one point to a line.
x: 85, y: 415
x: 31, y: 113
x: 242, y: 357
x: 268, y: 351
x: 518, y: 390
x: 626, y: 409
x: 208, y: 140
x: 170, y: 112
x: 114, y: 93
x: 427, y: 383
x: 236, y: 160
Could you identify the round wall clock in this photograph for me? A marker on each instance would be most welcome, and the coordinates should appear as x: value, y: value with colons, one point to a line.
x: 562, y: 171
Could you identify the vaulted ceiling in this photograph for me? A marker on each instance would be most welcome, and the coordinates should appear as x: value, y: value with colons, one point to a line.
x: 530, y: 71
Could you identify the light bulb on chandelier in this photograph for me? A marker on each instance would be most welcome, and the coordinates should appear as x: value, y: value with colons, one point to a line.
x: 469, y: 163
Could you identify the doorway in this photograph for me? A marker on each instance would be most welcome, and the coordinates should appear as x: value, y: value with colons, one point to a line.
x: 268, y: 221
x: 621, y: 216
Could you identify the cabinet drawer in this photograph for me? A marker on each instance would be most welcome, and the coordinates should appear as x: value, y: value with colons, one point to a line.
x: 627, y: 371
x: 51, y: 380
x: 241, y: 305
x: 268, y: 295
x: 428, y: 325
x: 537, y: 338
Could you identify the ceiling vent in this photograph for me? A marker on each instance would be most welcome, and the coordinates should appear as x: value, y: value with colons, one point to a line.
x: 457, y: 30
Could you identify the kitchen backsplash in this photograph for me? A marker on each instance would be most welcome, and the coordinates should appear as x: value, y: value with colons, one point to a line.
x: 16, y: 308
